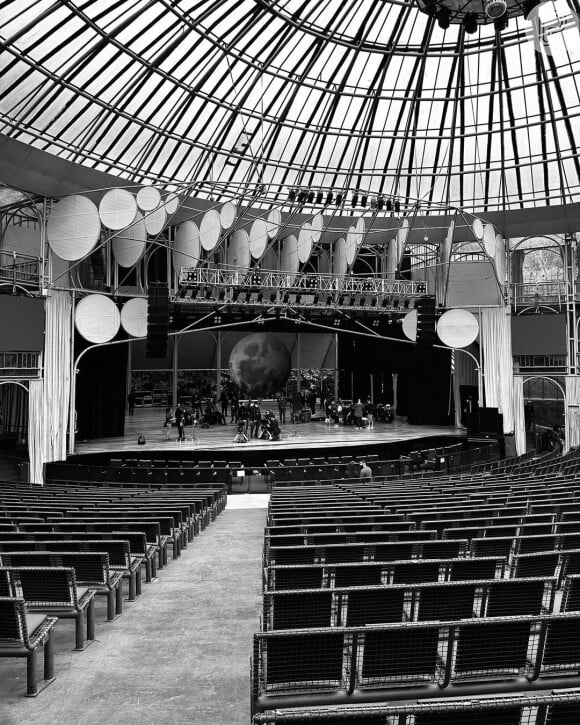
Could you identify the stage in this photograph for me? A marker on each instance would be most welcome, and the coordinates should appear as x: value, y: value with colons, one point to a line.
x: 300, y: 438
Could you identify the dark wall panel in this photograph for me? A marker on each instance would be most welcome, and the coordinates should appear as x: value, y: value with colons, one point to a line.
x: 21, y: 324
x: 539, y: 334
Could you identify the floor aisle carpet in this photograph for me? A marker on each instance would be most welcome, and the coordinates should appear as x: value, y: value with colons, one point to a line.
x: 179, y: 654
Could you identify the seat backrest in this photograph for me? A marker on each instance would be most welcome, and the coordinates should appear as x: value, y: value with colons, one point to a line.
x: 415, y: 572
x: 571, y: 599
x: 335, y: 554
x: 534, y: 565
x: 296, y: 578
x: 301, y: 610
x: 12, y: 620
x: 393, y: 551
x: 311, y: 661
x: 562, y: 646
x: 90, y: 568
x: 484, y: 649
x: 49, y: 586
x: 400, y: 654
x: 6, y: 588
x: 513, y: 597
x: 375, y: 606
x: 470, y: 569
x: 446, y: 602
x: 357, y: 576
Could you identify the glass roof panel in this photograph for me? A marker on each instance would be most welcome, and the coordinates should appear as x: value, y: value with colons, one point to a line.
x: 263, y: 96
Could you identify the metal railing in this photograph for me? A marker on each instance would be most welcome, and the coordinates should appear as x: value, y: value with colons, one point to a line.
x: 297, y: 282
x: 19, y: 364
x: 20, y: 270
x: 552, y: 293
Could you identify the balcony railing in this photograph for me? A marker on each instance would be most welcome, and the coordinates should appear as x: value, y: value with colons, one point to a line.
x: 538, y: 294
x: 20, y: 270
x: 19, y: 364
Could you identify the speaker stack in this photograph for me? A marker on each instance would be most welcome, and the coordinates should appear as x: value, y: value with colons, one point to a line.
x: 426, y: 329
x: 157, y: 320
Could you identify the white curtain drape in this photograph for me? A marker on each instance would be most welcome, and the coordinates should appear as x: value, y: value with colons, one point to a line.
x: 57, y: 360
x: 519, y: 416
x: 36, y: 438
x: 464, y: 373
x: 496, y: 345
x: 572, y: 411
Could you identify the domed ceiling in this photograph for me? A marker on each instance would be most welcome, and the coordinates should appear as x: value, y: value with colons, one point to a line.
x: 252, y: 98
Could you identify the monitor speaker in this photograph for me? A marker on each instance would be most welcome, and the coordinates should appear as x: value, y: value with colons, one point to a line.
x: 426, y: 334
x: 157, y: 320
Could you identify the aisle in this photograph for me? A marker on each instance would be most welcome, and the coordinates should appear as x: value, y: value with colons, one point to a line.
x: 179, y: 654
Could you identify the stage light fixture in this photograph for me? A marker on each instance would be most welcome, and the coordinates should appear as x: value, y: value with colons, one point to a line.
x: 373, y: 302
x: 376, y: 322
x: 329, y: 300
x: 396, y: 302
x: 494, y: 9
x: 298, y: 298
x: 217, y: 318
x: 470, y: 23
x: 207, y: 293
x: 272, y: 297
x: 222, y: 294
x: 339, y: 198
x: 329, y: 198
x: 354, y: 201
x: 302, y: 196
x: 406, y: 304
x: 389, y: 205
x: 260, y: 296
x: 311, y: 197
x: 397, y: 206
x: 336, y: 321
x: 386, y: 301
x: 363, y: 200
x: 286, y: 297
x: 380, y: 203
x: 319, y: 197
x: 443, y: 16
x: 292, y: 195
x: 235, y: 295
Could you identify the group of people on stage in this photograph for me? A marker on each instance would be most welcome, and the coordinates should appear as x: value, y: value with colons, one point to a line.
x: 357, y: 413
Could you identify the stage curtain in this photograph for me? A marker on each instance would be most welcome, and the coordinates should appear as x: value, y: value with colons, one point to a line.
x: 496, y: 343
x: 57, y: 361
x: 572, y: 411
x: 36, y: 431
x: 102, y: 391
x: 464, y: 373
x: 519, y: 418
x: 517, y: 266
x: 14, y: 409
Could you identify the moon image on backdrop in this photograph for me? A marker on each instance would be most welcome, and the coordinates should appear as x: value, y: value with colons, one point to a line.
x: 260, y: 364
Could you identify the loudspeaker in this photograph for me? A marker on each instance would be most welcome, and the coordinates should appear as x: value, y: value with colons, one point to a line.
x: 157, y: 320
x: 426, y: 334
x: 490, y: 422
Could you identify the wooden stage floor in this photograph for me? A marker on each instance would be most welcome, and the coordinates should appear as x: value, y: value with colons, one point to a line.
x: 149, y: 422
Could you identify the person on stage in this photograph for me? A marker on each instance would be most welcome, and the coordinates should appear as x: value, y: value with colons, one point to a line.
x: 224, y: 404
x: 282, y: 403
x: 296, y: 406
x: 357, y: 413
x: 255, y: 417
x: 370, y: 412
x: 180, y: 422
x: 234, y: 408
x: 131, y: 398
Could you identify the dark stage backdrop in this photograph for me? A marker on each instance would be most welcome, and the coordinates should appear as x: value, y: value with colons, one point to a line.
x: 423, y: 375
x: 101, y: 390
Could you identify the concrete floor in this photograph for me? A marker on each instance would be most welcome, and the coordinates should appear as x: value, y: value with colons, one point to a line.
x: 179, y: 654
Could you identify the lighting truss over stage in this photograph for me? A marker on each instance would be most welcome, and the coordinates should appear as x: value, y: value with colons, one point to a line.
x: 201, y: 289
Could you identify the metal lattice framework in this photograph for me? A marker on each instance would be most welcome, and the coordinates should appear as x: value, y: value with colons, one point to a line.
x: 246, y: 98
